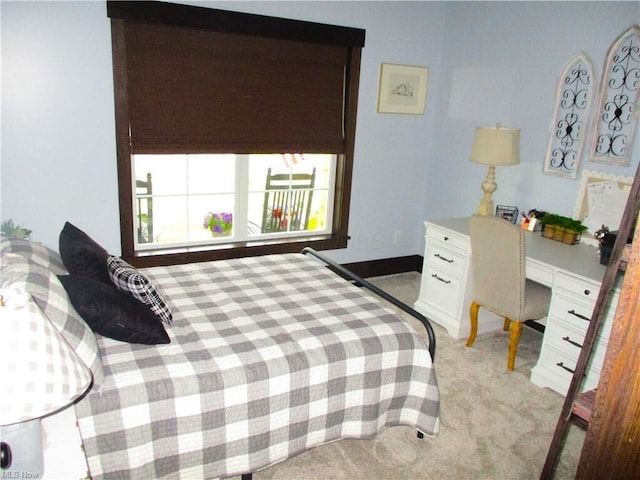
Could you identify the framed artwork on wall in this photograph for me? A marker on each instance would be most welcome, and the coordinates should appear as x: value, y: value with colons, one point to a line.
x: 402, y: 89
x: 617, y: 113
x: 572, y: 107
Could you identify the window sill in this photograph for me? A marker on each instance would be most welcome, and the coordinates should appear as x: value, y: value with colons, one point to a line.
x: 178, y: 256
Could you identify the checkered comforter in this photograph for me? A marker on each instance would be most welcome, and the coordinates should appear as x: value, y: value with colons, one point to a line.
x: 269, y: 356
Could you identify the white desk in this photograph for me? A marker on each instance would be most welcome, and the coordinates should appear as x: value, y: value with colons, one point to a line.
x: 573, y: 272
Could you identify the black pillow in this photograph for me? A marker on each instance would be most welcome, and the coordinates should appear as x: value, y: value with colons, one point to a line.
x: 82, y: 255
x: 112, y: 313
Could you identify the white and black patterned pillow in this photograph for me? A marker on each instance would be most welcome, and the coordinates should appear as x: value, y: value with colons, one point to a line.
x: 129, y: 279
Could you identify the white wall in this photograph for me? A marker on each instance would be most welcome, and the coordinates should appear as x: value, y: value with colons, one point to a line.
x: 501, y: 64
x: 58, y: 140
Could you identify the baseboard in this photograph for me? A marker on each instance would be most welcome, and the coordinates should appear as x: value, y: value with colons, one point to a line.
x: 386, y: 266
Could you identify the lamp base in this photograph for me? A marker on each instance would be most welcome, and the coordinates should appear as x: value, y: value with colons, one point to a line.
x: 22, y: 450
x: 485, y: 207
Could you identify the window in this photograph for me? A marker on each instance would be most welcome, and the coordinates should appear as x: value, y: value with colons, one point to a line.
x: 210, y: 103
x: 189, y: 201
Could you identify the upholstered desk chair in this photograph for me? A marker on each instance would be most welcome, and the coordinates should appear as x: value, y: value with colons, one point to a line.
x: 499, y: 279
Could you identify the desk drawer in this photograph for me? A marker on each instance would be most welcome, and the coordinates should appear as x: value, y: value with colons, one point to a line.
x: 570, y: 310
x: 561, y: 364
x: 447, y: 237
x: 564, y: 338
x: 569, y: 340
x: 561, y: 367
x: 584, y: 289
x: 441, y: 289
x: 444, y: 258
x: 539, y: 272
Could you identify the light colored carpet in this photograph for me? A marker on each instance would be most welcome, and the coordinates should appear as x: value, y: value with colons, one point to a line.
x: 495, y: 424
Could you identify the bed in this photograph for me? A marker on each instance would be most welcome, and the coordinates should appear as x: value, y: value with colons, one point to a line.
x: 267, y: 357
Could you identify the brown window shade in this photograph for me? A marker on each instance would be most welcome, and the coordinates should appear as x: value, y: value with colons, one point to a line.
x: 196, y: 91
x: 199, y: 80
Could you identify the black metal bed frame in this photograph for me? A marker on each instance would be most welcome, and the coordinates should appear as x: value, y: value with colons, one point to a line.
x: 361, y: 282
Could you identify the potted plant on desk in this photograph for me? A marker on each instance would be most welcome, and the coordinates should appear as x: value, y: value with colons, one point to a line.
x: 561, y: 228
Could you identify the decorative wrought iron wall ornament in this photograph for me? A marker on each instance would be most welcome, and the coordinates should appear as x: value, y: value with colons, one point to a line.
x: 574, y: 92
x: 617, y: 113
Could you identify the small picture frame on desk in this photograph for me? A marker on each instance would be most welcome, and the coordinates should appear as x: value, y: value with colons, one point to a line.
x: 507, y: 212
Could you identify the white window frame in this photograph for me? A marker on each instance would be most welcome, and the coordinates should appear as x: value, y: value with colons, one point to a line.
x: 241, y: 208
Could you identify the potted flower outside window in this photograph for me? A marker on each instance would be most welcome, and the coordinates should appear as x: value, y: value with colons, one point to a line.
x: 220, y: 224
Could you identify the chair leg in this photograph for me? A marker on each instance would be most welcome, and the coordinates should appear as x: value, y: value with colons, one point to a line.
x: 473, y: 317
x: 515, y: 329
x: 505, y: 326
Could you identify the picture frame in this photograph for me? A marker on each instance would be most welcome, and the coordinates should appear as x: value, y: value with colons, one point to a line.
x: 616, y: 118
x: 572, y: 111
x: 601, y: 201
x: 402, y: 89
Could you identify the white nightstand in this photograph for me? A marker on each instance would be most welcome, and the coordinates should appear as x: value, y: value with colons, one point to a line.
x: 63, y: 452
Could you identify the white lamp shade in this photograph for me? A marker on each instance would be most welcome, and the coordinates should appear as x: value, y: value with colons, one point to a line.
x: 496, y: 146
x: 40, y: 371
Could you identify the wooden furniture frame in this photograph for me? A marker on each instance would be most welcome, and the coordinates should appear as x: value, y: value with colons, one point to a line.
x: 612, y: 444
x: 287, y: 201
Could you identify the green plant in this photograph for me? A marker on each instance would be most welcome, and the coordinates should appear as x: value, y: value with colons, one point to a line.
x: 220, y: 224
x: 567, y: 223
x: 9, y: 229
x: 576, y: 226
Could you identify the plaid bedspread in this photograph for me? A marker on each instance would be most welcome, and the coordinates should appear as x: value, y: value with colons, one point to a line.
x: 269, y: 356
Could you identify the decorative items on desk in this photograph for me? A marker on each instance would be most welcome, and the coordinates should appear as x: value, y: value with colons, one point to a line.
x: 600, y: 235
x: 562, y: 229
x: 606, y: 240
x: 531, y: 221
x: 507, y: 212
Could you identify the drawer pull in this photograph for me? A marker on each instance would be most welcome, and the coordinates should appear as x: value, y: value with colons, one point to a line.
x: 561, y: 365
x: 446, y: 238
x: 573, y: 312
x: 444, y: 259
x: 587, y: 292
x: 439, y: 278
x: 575, y: 344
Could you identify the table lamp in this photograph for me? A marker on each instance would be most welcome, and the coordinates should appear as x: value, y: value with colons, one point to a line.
x: 494, y: 146
x: 41, y: 374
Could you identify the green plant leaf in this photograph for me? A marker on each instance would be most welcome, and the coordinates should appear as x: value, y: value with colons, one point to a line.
x: 9, y: 229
